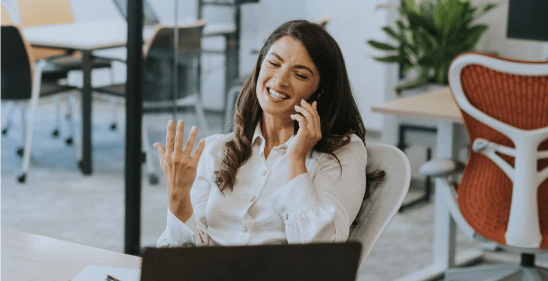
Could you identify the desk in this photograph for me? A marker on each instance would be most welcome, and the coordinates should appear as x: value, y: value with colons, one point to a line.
x: 437, y: 105
x: 32, y: 257
x: 87, y: 37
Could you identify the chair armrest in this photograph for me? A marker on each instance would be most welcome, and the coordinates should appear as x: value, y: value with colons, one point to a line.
x: 441, y: 167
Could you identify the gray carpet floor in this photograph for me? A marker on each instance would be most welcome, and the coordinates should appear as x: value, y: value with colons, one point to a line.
x: 58, y: 201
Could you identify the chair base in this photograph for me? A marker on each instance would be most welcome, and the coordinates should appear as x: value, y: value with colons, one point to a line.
x: 505, y: 272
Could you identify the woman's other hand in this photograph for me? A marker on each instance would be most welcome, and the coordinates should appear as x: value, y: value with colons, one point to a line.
x: 308, y: 135
x: 179, y: 167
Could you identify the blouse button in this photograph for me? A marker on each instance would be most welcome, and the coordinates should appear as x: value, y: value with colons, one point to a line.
x: 263, y: 173
x: 252, y: 199
x: 286, y: 216
x: 244, y: 229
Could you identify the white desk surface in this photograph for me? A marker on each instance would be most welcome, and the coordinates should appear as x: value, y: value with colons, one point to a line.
x: 27, y: 256
x: 95, y: 35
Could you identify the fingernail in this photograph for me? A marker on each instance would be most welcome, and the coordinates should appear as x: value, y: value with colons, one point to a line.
x: 202, y: 140
x: 296, y: 106
x: 179, y: 122
x: 193, y: 128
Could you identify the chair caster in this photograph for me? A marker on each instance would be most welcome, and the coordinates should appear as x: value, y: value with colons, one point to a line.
x: 20, y: 151
x: 55, y: 133
x: 113, y: 127
x: 22, y: 178
x: 4, y: 132
x: 153, y: 179
x: 68, y: 141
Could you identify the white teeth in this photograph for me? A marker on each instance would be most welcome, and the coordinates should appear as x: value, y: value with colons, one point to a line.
x: 276, y: 95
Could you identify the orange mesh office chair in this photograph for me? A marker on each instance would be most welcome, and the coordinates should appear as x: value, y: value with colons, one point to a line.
x: 503, y: 193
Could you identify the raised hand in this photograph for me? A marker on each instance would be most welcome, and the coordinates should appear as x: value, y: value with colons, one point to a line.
x: 309, y: 132
x: 179, y: 167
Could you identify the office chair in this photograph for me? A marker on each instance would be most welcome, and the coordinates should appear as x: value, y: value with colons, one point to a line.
x: 22, y: 83
x: 503, y: 192
x: 386, y: 196
x: 44, y: 12
x: 6, y: 20
x: 157, y: 83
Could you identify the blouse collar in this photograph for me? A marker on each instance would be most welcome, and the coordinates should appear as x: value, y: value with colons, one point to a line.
x: 258, y: 133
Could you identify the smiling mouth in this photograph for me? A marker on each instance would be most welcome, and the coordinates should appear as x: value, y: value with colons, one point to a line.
x: 277, y: 96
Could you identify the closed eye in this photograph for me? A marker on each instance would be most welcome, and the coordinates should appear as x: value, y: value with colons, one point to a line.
x: 301, y: 76
x: 273, y: 63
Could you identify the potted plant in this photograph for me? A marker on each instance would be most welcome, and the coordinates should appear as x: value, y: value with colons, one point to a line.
x: 430, y: 34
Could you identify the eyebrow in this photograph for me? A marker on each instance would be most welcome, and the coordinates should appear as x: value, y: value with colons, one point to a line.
x: 296, y: 66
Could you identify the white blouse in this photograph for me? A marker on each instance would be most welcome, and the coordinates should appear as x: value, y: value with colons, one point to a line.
x: 264, y: 208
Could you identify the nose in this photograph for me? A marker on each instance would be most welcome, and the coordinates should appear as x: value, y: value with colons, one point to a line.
x: 281, y: 77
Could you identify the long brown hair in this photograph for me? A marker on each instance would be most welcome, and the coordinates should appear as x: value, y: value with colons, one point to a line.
x: 339, y: 114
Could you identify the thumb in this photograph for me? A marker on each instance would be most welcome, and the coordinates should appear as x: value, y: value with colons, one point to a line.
x: 161, y: 151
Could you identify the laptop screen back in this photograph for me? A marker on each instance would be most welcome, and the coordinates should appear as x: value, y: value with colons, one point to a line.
x: 335, y: 261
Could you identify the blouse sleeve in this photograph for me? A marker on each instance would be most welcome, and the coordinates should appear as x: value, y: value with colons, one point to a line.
x: 319, y: 206
x: 194, y: 231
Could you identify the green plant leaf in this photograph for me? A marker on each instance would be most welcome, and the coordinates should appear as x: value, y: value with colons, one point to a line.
x: 413, y: 84
x: 391, y: 33
x: 473, y: 35
x: 389, y: 59
x: 382, y: 46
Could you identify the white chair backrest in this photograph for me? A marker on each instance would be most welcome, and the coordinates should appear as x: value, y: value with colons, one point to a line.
x: 386, y: 197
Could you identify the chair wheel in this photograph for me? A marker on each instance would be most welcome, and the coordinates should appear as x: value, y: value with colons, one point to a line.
x: 21, y: 178
x: 153, y: 179
x: 20, y: 151
x: 5, y: 131
x: 113, y: 126
x: 68, y: 141
x: 55, y: 133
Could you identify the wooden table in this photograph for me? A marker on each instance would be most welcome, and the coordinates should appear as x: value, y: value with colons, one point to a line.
x: 32, y: 257
x: 87, y: 37
x: 437, y: 105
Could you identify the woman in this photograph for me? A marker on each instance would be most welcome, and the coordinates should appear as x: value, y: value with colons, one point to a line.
x: 294, y: 169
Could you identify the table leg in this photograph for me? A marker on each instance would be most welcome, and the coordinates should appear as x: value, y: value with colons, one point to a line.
x: 87, y: 65
x: 443, y: 254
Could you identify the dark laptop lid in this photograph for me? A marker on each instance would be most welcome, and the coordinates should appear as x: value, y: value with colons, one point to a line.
x: 334, y: 261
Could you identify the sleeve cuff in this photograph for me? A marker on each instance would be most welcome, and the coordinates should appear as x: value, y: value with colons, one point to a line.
x: 295, y: 197
x: 179, y: 233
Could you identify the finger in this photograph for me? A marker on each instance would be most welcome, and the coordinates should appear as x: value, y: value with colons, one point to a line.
x: 302, y: 121
x: 190, y: 142
x: 178, y: 146
x: 313, y: 122
x: 307, y: 113
x: 318, y: 120
x: 199, y: 150
x: 170, y: 136
x: 161, y: 151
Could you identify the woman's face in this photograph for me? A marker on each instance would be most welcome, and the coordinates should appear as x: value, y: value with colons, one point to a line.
x: 287, y: 76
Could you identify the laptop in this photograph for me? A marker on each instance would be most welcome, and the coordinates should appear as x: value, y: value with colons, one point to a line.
x: 333, y: 261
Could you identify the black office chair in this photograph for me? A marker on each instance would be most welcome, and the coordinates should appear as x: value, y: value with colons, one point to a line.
x: 59, y: 61
x: 23, y: 83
